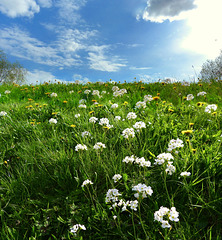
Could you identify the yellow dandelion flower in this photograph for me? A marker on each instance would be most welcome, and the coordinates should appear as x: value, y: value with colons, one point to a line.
x: 158, y: 94
x: 91, y: 112
x: 187, y: 132
x: 191, y: 124
x: 156, y: 98
x: 214, y: 113
x: 65, y: 101
x: 72, y: 125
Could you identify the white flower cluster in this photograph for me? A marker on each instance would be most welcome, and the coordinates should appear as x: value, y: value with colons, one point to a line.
x: 117, y: 177
x: 3, y: 113
x: 112, y: 195
x: 53, y: 94
x: 82, y: 106
x: 124, y: 204
x: 190, y: 97
x: 128, y: 132
x: 175, y: 143
x: 142, y: 190
x: 86, y: 182
x: 115, y: 88
x: 7, y: 92
x: 96, y: 93
x: 82, y: 101
x: 99, y: 145
x: 147, y: 98
x: 186, y: 174
x: 131, y: 115
x: 86, y: 134
x: 72, y: 91
x: 170, y: 169
x: 77, y: 115
x: 140, y: 161
x: 119, y: 92
x: 87, y: 91
x: 93, y: 119
x: 76, y: 227
x: 210, y: 107
x: 166, y: 213
x: 139, y: 125
x: 115, y: 105
x: 201, y: 93
x: 105, y: 122
x: 117, y: 118
x: 52, y: 121
x: 161, y: 158
x: 80, y: 147
x: 140, y: 105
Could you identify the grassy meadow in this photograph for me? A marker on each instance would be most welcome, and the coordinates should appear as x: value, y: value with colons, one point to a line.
x: 111, y: 161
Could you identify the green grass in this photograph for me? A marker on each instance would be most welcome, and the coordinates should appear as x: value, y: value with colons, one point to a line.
x: 41, y: 173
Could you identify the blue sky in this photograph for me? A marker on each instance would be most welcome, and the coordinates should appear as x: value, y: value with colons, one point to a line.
x: 97, y: 40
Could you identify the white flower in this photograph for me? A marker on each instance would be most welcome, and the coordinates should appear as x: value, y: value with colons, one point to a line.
x: 133, y: 205
x: 142, y: 189
x: 7, y: 91
x: 148, y: 98
x: 174, y: 144
x: 87, y: 181
x: 76, y: 227
x: 95, y: 92
x: 77, y: 115
x: 139, y: 125
x: 117, y: 177
x: 82, y: 101
x: 186, y: 174
x: 53, y: 94
x: 87, y: 91
x: 80, y: 147
x: 173, y: 215
x: 170, y: 168
x: 115, y: 88
x: 70, y: 92
x: 117, y: 118
x: 3, y: 113
x: 190, y: 97
x: 93, y: 119
x: 128, y: 132
x: 128, y: 159
x: 52, y: 121
x: 114, y: 217
x: 99, y: 145
x: 142, y: 162
x: 85, y: 134
x: 131, y: 115
x: 201, y: 93
x: 211, y: 107
x: 112, y: 195
x: 104, y: 121
x: 161, y: 158
x: 140, y: 105
x: 165, y: 224
x: 115, y: 105
x: 82, y: 106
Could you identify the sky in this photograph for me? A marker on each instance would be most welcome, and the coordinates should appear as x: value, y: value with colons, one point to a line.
x: 97, y: 40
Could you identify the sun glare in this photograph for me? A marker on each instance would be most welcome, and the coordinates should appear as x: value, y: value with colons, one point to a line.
x: 205, y: 35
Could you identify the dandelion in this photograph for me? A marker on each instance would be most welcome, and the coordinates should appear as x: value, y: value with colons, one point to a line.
x: 3, y: 113
x: 186, y: 174
x: 53, y: 94
x: 80, y: 147
x: 117, y: 177
x: 86, y: 182
x: 52, y: 121
x: 187, y: 132
x: 131, y: 115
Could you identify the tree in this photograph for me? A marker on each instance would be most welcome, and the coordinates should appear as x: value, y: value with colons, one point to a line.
x: 10, y: 72
x: 212, y: 69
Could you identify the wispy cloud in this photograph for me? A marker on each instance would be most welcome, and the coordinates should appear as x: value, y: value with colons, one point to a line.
x: 140, y: 68
x: 38, y: 77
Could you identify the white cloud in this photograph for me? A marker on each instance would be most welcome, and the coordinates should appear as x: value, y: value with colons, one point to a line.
x: 99, y: 61
x: 205, y: 36
x: 80, y: 78
x: 45, y: 3
x: 161, y: 10
x: 19, y: 8
x: 139, y: 68
x: 39, y: 77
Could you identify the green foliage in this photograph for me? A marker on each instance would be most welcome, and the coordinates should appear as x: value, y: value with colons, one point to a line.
x: 10, y: 72
x: 42, y: 195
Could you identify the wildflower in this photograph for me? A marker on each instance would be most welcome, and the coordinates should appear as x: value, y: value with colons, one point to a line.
x: 115, y: 105
x: 142, y: 162
x: 200, y: 104
x: 170, y: 169
x: 112, y: 195
x: 128, y: 132
x: 3, y: 113
x: 128, y: 159
x: 139, y: 125
x: 96, y: 92
x: 104, y: 121
x: 143, y: 190
x: 80, y: 147
x: 117, y: 177
x: 173, y: 144
x: 70, y: 92
x: 140, y: 105
x: 82, y: 101
x: 133, y: 205
x: 201, y: 93
x: 76, y: 227
x: 131, y: 115
x: 93, y: 119
x: 7, y: 92
x: 53, y: 94
x: 85, y: 134
x: 82, y: 106
x: 211, y: 107
x: 86, y: 182
x: 186, y: 174
x: 190, y: 97
x: 187, y: 132
x: 72, y: 125
x: 117, y: 118
x: 52, y: 121
x: 147, y: 98
x: 115, y: 88
x: 87, y: 91
x: 77, y: 115
x: 156, y: 98
x: 99, y: 145
x: 161, y: 158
